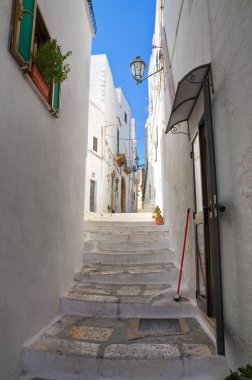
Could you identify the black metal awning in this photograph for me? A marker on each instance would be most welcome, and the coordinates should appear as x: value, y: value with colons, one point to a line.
x: 187, y: 93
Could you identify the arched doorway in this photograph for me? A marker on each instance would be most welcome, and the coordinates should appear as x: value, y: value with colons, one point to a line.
x: 123, y: 195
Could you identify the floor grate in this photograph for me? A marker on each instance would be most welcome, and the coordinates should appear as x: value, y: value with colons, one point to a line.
x: 159, y: 325
x: 41, y: 378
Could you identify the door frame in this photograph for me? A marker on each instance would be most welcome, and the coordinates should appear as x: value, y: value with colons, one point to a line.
x: 200, y: 219
x: 94, y: 200
x: 211, y: 215
x: 123, y: 195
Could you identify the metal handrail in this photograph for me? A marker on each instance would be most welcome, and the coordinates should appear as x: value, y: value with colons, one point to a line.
x: 92, y: 15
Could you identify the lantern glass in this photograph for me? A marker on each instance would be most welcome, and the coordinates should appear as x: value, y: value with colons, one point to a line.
x: 137, y: 67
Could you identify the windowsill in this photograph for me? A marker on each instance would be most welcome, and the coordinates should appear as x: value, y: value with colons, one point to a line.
x: 41, y: 97
x: 94, y: 153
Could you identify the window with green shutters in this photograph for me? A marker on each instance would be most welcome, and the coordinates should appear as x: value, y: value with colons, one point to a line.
x: 56, y: 97
x: 24, y: 18
x: 28, y: 33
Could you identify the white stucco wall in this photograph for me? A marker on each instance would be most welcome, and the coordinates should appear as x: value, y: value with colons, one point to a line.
x: 232, y: 73
x: 128, y: 146
x: 95, y: 167
x: 42, y: 183
x: 155, y: 127
x: 199, y: 32
x: 107, y: 108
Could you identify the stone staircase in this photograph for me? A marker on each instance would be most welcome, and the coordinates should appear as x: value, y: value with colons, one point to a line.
x: 119, y: 320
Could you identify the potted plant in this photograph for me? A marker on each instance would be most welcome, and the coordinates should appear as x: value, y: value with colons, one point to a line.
x: 158, y: 216
x: 48, y: 67
x: 110, y: 209
x: 242, y: 373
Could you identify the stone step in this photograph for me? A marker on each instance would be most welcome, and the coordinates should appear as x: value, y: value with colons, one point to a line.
x: 157, y: 256
x: 126, y: 274
x: 124, y: 301
x: 123, y: 227
x: 134, y: 237
x: 118, y: 228
x: 111, y: 245
x: 119, y: 216
x: 79, y: 348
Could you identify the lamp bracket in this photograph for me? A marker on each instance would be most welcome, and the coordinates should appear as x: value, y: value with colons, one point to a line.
x: 141, y: 80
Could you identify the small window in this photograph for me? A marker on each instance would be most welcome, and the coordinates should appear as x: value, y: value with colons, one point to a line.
x: 95, y: 143
x: 28, y: 33
x: 118, y: 140
x: 125, y: 117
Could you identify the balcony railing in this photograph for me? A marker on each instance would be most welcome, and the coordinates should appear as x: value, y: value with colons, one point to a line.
x: 91, y: 10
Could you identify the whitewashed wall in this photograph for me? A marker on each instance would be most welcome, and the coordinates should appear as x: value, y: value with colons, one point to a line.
x: 107, y: 108
x: 199, y: 32
x: 42, y: 183
x: 155, y: 131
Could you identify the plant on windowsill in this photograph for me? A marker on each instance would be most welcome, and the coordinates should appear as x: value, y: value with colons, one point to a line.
x: 158, y: 216
x: 110, y: 209
x: 49, y: 67
x: 244, y: 373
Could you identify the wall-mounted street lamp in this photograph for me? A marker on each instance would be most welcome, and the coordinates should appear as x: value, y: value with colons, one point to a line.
x: 137, y: 67
x: 137, y: 160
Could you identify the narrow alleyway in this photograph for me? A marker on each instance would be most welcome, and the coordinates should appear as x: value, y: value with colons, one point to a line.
x: 119, y: 320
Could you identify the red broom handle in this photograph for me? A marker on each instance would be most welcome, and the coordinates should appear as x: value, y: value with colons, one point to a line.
x: 183, y: 251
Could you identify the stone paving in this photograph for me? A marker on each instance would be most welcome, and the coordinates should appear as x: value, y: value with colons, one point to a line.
x: 141, y: 293
x: 114, y: 338
x: 111, y: 326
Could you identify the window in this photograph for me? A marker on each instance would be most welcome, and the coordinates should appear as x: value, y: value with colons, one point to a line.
x: 95, y: 143
x: 125, y: 117
x: 28, y: 33
x: 118, y: 140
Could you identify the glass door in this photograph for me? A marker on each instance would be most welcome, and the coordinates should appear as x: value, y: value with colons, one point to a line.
x: 201, y: 238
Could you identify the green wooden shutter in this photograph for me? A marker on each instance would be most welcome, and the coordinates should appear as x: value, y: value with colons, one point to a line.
x: 26, y: 30
x: 56, y: 97
x: 55, y: 103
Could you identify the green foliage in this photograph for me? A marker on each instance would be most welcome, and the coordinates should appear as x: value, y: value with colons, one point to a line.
x: 156, y: 212
x: 51, y: 62
x: 243, y: 373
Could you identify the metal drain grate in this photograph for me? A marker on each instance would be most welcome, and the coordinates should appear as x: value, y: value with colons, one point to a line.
x: 41, y: 378
x: 159, y: 325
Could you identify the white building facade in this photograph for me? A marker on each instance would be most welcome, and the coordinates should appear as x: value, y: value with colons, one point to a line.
x: 206, y: 52
x: 110, y: 162
x: 41, y: 166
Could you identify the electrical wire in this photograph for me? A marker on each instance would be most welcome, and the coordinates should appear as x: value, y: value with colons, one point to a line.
x: 121, y: 138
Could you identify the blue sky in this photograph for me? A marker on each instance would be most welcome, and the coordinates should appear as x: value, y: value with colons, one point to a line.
x: 124, y: 30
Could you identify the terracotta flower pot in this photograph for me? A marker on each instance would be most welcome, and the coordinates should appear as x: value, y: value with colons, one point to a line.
x: 40, y: 81
x: 159, y: 220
